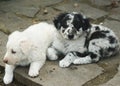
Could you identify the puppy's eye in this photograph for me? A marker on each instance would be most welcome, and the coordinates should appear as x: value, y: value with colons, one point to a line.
x: 63, y: 31
x: 13, y: 52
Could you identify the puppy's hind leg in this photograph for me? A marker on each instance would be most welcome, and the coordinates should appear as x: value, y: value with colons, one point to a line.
x: 83, y: 60
x: 92, y: 55
x: 9, y: 69
x: 87, y: 59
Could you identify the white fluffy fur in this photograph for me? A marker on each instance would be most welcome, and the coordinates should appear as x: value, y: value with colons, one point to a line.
x: 28, y: 47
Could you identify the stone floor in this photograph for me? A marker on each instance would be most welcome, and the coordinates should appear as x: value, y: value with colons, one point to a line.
x: 19, y: 14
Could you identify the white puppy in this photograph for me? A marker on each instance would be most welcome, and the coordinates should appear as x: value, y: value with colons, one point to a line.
x: 28, y: 47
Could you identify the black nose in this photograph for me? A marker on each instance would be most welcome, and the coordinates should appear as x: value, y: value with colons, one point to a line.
x: 5, y: 61
x: 70, y: 36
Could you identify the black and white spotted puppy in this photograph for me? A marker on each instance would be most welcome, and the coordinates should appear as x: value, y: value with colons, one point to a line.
x: 80, y: 41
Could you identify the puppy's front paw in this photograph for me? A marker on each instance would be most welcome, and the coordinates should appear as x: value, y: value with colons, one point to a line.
x: 8, y: 78
x: 76, y: 61
x: 33, y: 73
x: 52, y: 54
x: 53, y: 57
x: 63, y: 63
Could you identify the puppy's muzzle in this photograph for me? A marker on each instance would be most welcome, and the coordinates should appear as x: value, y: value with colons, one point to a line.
x: 70, y: 36
x: 71, y: 31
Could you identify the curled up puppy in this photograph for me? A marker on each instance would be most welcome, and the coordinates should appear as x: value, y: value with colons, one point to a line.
x: 27, y: 47
x: 80, y: 41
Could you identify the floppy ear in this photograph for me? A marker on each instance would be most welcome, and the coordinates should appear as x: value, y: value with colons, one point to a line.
x: 58, y: 19
x: 25, y: 45
x: 86, y: 24
x: 84, y: 21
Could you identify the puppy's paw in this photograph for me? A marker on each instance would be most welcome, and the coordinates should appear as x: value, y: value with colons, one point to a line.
x: 53, y: 57
x: 84, y: 60
x: 33, y: 73
x: 63, y: 63
x: 8, y: 78
x: 76, y: 61
x: 52, y: 54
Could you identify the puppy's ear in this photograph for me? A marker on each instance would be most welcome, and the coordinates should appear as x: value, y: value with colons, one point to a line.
x: 58, y: 19
x: 25, y: 45
x: 84, y: 21
x: 86, y: 24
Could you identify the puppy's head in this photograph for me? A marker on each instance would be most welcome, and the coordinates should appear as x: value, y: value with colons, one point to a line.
x: 71, y: 25
x: 17, y: 49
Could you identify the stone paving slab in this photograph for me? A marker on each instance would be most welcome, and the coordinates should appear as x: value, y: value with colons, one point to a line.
x: 116, y: 10
x: 26, y: 11
x: 52, y: 75
x: 48, y: 16
x: 10, y: 4
x: 12, y: 22
x: 115, y: 81
x: 49, y: 2
x: 100, y: 2
x: 3, y: 29
x: 3, y: 40
x: 25, y: 8
x: 114, y: 25
x: 115, y: 16
x: 91, y: 12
